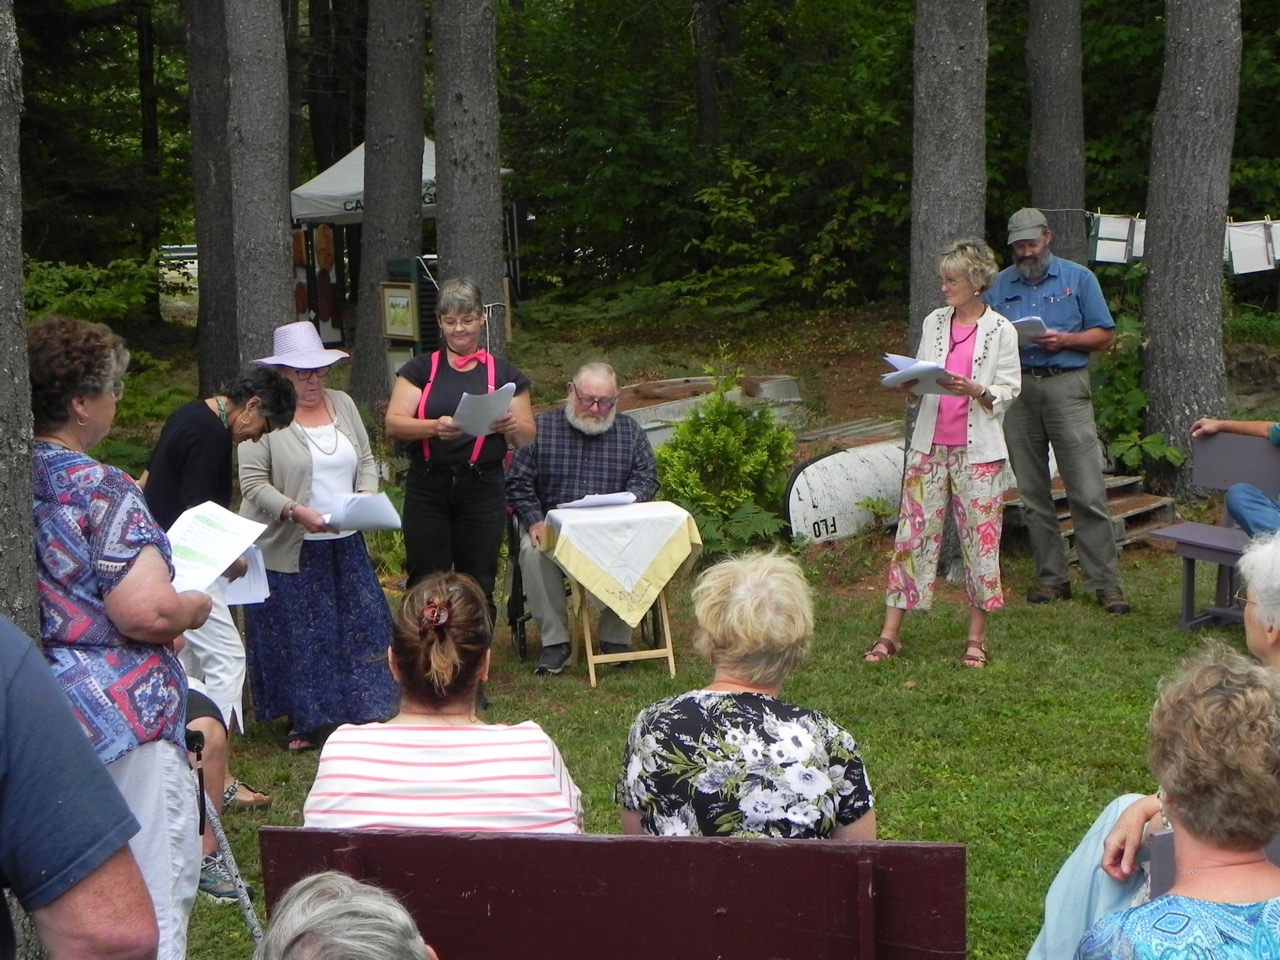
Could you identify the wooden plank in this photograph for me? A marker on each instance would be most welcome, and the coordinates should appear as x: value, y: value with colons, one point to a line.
x: 487, y: 897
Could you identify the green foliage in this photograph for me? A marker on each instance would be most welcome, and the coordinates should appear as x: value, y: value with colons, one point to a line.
x: 152, y: 392
x: 727, y: 465
x: 882, y: 511
x: 1119, y: 400
x: 86, y: 291
x: 1249, y: 324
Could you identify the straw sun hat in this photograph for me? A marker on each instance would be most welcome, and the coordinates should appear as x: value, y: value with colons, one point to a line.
x: 298, y: 345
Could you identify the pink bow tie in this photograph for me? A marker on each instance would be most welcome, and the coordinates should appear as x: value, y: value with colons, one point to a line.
x: 480, y: 356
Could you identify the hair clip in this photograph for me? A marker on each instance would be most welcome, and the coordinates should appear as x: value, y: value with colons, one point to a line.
x: 435, y: 615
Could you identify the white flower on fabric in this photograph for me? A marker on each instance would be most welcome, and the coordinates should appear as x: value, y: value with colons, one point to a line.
x: 754, y: 752
x: 843, y: 786
x: 649, y: 753
x: 804, y: 814
x: 808, y: 782
x: 672, y: 827
x: 635, y: 766
x: 714, y: 777
x: 735, y: 736
x: 795, y: 744
x: 760, y: 805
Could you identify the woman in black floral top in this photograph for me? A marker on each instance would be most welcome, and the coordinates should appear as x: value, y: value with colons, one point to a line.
x: 732, y: 759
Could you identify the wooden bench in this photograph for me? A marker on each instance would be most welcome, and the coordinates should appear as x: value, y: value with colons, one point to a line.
x: 496, y: 896
x: 1217, y: 463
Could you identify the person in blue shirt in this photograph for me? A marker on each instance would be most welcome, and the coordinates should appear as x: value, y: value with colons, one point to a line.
x: 1055, y: 407
x: 1253, y: 510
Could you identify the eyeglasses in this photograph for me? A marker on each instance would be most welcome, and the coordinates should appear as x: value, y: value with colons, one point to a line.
x: 117, y: 389
x: 454, y: 322
x: 1240, y: 597
x: 600, y: 403
x: 318, y: 372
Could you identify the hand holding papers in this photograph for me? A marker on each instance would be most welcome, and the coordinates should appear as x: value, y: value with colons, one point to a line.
x: 363, y: 511
x: 476, y: 412
x: 600, y: 500
x: 205, y: 541
x: 906, y: 369
x: 1028, y: 329
x: 252, y: 587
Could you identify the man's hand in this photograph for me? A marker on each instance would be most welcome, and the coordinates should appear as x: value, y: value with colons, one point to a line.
x: 535, y: 533
x: 1205, y: 427
x: 1052, y: 340
x: 1120, y: 848
x: 238, y: 568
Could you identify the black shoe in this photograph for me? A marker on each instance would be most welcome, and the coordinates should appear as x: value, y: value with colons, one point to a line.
x: 553, y: 660
x: 1048, y: 592
x: 616, y: 648
x: 1113, y: 601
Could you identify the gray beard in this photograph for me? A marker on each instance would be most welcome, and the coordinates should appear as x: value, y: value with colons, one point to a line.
x: 590, y: 427
x: 1036, y: 268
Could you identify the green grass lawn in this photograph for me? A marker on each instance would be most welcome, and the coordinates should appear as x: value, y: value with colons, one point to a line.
x: 1013, y: 761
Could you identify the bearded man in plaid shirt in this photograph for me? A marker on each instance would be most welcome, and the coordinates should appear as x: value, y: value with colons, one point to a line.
x: 585, y: 447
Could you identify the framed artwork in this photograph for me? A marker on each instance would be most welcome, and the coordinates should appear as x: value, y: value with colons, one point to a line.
x: 399, y: 302
x: 397, y: 357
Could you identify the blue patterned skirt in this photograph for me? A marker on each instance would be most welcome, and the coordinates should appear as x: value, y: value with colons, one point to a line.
x: 318, y: 646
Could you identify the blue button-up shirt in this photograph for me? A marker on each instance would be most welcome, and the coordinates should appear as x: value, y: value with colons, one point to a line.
x: 564, y: 464
x: 1067, y: 298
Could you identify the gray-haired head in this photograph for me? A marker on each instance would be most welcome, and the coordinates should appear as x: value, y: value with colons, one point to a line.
x: 459, y: 296
x: 330, y: 916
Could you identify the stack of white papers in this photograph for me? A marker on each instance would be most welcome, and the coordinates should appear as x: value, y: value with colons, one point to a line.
x: 1028, y: 329
x: 252, y: 587
x: 363, y: 511
x: 925, y: 373
x: 600, y: 500
x: 477, y: 411
x: 205, y: 541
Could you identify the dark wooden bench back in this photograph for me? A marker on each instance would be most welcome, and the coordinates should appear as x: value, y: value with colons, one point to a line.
x: 498, y: 896
x: 1223, y: 459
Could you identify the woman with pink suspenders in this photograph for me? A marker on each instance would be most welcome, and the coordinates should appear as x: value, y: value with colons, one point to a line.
x: 455, y: 500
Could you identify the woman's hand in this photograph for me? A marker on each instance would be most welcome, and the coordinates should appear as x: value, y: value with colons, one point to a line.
x: 908, y: 386
x: 1120, y: 848
x: 144, y: 606
x: 962, y: 387
x: 311, y: 520
x: 239, y: 567
x: 507, y: 424
x: 445, y: 429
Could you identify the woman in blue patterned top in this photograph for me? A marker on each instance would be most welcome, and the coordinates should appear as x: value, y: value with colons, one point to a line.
x: 732, y: 759
x: 108, y: 612
x: 1214, y: 747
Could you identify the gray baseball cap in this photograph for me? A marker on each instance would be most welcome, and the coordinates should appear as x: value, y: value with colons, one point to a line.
x: 1027, y: 224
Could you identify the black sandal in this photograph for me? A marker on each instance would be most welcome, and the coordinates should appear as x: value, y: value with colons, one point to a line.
x: 298, y: 742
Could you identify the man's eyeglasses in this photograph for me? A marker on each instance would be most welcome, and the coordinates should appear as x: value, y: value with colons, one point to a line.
x: 603, y: 404
x: 1240, y: 597
x: 318, y: 372
x: 454, y: 322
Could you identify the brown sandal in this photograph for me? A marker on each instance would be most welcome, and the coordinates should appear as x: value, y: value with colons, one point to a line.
x: 975, y: 654
x: 884, y: 648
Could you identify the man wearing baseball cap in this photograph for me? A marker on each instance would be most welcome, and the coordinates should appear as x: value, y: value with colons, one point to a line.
x: 1055, y: 408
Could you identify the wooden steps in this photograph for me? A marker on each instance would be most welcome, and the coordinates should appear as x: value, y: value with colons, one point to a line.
x: 1134, y: 513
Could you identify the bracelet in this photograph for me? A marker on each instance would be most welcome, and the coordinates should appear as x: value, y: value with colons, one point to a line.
x: 290, y: 509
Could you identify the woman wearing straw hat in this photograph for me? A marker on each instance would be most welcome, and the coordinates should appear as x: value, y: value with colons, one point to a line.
x: 317, y: 646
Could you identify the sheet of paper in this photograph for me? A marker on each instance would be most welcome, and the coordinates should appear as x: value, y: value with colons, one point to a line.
x: 909, y: 368
x: 252, y: 587
x: 1028, y: 329
x: 477, y: 411
x: 206, y: 540
x: 1250, y: 245
x: 363, y: 511
x: 600, y: 500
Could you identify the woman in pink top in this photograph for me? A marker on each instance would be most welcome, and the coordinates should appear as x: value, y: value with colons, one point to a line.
x: 957, y: 452
x: 436, y: 765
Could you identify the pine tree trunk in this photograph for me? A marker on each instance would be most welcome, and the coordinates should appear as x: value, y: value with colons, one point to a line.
x: 17, y: 563
x: 1191, y: 142
x: 392, y: 176
x: 469, y: 210
x: 949, y: 171
x: 1056, y: 157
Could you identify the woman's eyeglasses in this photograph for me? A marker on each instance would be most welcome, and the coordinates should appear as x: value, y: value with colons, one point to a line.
x: 1240, y: 597
x: 318, y: 372
x: 454, y: 322
x: 117, y: 389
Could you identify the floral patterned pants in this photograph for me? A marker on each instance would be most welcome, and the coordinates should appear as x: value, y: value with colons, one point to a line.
x: 975, y: 493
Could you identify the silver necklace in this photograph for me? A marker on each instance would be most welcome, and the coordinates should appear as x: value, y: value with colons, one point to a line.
x: 311, y: 440
x: 1219, y: 866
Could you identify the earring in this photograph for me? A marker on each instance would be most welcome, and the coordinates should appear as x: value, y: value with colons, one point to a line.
x: 82, y: 422
x: 245, y: 419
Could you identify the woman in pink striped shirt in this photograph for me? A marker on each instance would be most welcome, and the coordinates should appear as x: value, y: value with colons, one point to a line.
x: 436, y: 765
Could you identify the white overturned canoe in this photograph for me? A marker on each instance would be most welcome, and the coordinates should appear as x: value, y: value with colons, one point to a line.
x: 841, y: 494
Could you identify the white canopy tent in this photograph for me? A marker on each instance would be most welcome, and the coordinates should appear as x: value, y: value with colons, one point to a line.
x: 337, y: 195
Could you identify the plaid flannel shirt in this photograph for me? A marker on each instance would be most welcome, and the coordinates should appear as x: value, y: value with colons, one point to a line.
x: 563, y: 464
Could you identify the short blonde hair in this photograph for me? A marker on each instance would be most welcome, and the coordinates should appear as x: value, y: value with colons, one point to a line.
x: 755, y: 616
x: 973, y: 258
x: 1215, y: 749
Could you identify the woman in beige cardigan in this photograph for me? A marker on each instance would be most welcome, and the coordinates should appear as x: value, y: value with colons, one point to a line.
x: 317, y: 646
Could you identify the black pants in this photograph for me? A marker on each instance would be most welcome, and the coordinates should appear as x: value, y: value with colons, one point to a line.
x: 454, y: 519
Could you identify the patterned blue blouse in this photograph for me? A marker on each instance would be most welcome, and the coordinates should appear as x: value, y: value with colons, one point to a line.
x: 1180, y: 928
x: 91, y: 523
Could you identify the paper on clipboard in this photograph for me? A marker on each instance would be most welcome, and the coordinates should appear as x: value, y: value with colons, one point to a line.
x: 600, y: 500
x: 205, y: 541
x: 477, y: 411
x: 924, y: 372
x: 363, y: 511
x: 1028, y: 329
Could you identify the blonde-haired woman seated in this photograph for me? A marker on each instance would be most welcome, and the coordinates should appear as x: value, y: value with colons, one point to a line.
x: 436, y: 765
x: 1214, y: 748
x: 732, y: 759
